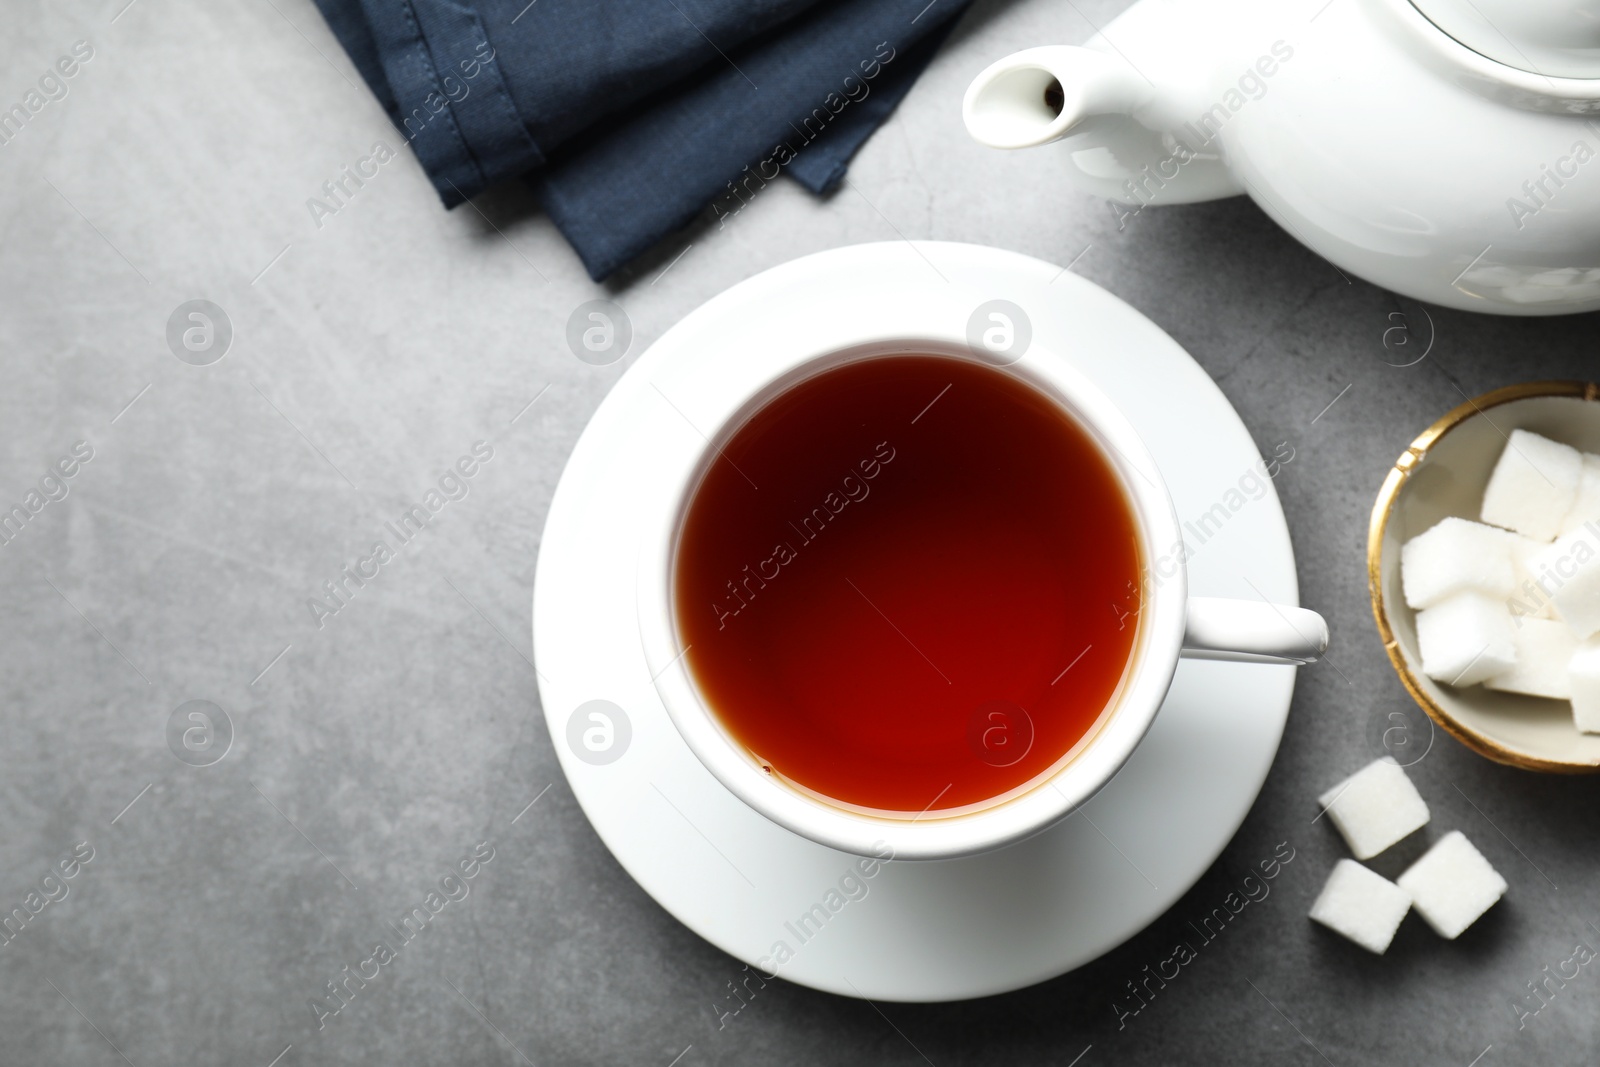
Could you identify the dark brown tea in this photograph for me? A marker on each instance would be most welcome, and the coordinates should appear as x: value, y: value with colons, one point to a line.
x: 909, y: 584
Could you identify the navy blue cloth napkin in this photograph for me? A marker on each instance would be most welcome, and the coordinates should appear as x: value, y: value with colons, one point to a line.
x: 631, y: 117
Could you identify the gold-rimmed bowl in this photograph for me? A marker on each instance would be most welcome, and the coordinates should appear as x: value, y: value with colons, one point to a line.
x: 1444, y: 473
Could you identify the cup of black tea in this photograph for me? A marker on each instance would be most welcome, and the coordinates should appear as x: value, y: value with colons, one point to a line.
x: 910, y: 597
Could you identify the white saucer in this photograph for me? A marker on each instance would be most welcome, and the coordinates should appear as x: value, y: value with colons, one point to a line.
x: 922, y: 931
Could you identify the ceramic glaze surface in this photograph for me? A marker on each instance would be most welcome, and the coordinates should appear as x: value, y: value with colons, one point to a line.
x: 1371, y: 135
x: 1048, y: 903
x: 1561, y: 40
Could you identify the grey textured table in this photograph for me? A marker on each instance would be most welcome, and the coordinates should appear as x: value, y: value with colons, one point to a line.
x: 374, y: 748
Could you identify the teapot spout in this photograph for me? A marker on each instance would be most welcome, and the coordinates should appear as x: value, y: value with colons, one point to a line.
x: 1120, y: 126
x: 1041, y: 95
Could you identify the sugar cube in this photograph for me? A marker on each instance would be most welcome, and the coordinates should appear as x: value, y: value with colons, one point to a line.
x: 1453, y: 555
x: 1452, y: 884
x: 1586, y: 507
x: 1363, y: 906
x: 1375, y: 807
x: 1529, y: 598
x: 1583, y: 676
x: 1570, y: 570
x: 1466, y: 638
x: 1533, y: 487
x: 1544, y: 650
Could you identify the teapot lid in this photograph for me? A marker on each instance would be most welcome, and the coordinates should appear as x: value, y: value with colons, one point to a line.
x: 1556, y: 38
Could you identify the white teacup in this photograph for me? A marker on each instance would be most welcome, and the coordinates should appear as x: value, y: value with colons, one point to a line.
x: 1171, y: 625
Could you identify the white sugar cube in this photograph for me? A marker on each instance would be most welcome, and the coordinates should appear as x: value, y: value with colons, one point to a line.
x: 1583, y: 677
x: 1544, y: 649
x: 1586, y: 507
x: 1375, y: 807
x: 1363, y: 906
x: 1452, y: 884
x: 1532, y: 594
x: 1466, y: 638
x: 1570, y: 569
x: 1533, y: 487
x: 1453, y: 555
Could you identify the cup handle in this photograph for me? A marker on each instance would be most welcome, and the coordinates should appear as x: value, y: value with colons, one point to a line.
x: 1252, y: 631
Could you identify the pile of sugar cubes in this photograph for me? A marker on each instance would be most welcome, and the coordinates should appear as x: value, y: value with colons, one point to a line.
x: 1450, y: 886
x: 1513, y: 601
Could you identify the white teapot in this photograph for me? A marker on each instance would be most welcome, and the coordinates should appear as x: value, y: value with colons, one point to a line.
x: 1444, y: 149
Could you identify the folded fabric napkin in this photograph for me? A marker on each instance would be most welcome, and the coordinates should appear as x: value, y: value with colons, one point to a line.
x: 631, y: 117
